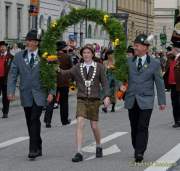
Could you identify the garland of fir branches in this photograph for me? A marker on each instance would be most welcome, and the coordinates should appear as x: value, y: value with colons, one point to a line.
x: 56, y: 29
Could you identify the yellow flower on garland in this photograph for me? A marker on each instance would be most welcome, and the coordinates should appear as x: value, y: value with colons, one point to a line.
x: 117, y: 42
x: 44, y: 55
x: 54, y: 24
x: 52, y: 58
x: 113, y: 43
x: 106, y: 18
x: 111, y: 67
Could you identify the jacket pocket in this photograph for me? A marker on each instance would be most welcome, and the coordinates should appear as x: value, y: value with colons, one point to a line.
x: 148, y: 93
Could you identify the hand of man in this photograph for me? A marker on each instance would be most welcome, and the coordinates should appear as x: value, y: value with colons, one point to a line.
x: 162, y: 107
x: 11, y: 97
x: 106, y: 102
x: 50, y: 98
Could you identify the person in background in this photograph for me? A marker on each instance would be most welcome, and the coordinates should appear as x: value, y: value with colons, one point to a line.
x: 130, y: 51
x: 5, y: 63
x: 15, y: 49
x: 65, y: 63
x: 109, y: 64
x: 172, y: 78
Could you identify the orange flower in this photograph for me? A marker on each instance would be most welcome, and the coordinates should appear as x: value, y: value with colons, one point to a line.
x: 120, y: 94
x: 52, y: 58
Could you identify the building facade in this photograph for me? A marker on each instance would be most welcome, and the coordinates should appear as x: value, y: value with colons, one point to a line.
x: 94, y: 32
x: 141, y: 16
x: 14, y: 19
x: 164, y: 20
x: 54, y: 9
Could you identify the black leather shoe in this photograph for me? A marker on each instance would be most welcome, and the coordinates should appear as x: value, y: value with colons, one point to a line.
x: 33, y: 155
x: 48, y: 125
x: 138, y: 158
x: 5, y: 116
x: 67, y: 123
x: 39, y: 152
x: 99, y: 152
x: 77, y: 158
x: 176, y: 125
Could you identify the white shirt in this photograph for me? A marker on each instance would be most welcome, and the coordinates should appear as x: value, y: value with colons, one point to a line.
x: 34, y: 52
x: 88, y: 65
x: 4, y: 54
x: 143, y: 60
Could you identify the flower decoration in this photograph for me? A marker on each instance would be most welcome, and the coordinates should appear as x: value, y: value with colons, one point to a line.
x: 54, y: 24
x: 52, y: 58
x: 117, y: 42
x: 106, y: 18
x: 49, y: 58
x: 44, y: 55
x: 120, y: 94
x: 48, y: 69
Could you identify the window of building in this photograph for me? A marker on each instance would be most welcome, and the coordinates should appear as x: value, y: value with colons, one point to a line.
x: 63, y: 12
x: 29, y: 22
x: 49, y: 21
x: 89, y: 4
x: 19, y: 22
x: 96, y: 31
x: 89, y: 31
x: 96, y: 4
x: 7, y: 11
x: 102, y: 32
x: 81, y: 33
x: 101, y: 4
x: 41, y: 21
x: 107, y: 5
x: 113, y: 6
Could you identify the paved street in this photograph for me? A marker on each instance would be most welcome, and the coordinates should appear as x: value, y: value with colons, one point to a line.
x: 58, y: 143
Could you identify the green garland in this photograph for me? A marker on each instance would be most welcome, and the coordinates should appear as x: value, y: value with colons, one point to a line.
x: 57, y: 28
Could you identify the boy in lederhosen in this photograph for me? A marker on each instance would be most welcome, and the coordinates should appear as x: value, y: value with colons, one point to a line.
x: 88, y: 76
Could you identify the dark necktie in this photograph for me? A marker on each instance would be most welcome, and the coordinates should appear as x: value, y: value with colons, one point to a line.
x: 32, y: 60
x: 139, y: 64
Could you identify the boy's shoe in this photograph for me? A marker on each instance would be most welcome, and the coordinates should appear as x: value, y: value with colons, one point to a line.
x: 104, y: 109
x: 112, y: 110
x: 99, y: 152
x: 77, y: 158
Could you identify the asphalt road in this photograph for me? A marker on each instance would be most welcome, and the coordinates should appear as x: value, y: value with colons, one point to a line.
x: 59, y: 147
